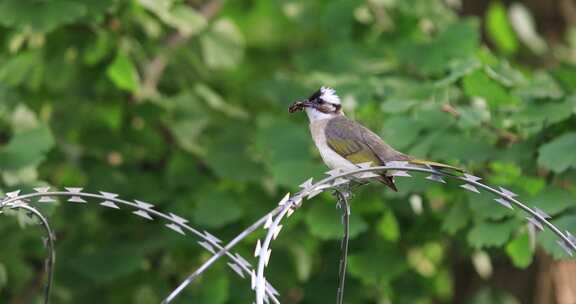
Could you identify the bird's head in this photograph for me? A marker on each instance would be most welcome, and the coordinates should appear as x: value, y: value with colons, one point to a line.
x: 324, y: 103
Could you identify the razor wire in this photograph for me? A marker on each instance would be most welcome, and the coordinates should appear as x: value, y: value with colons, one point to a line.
x: 44, y: 195
x: 536, y: 218
x: 272, y: 221
x: 49, y: 241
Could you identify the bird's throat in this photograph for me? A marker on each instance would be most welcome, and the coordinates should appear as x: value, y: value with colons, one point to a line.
x: 315, y: 114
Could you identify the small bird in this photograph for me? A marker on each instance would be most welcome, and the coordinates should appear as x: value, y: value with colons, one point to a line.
x: 343, y: 143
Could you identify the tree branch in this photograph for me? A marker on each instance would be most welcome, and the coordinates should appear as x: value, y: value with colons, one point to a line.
x: 154, y: 69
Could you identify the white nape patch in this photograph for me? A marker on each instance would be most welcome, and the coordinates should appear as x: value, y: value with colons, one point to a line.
x: 314, y: 114
x: 329, y: 95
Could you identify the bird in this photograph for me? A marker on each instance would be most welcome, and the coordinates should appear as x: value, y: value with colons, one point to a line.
x: 344, y: 143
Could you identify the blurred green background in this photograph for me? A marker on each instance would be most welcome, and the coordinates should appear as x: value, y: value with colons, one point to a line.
x: 184, y: 104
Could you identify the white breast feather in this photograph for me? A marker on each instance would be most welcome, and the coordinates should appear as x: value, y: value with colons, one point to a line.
x: 331, y: 159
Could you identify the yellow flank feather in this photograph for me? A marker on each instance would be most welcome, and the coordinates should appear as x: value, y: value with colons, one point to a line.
x: 435, y: 165
x: 353, y: 151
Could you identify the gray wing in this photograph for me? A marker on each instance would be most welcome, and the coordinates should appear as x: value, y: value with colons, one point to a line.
x: 358, y: 144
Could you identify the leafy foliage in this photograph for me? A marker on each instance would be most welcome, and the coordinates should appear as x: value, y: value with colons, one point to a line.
x: 183, y: 103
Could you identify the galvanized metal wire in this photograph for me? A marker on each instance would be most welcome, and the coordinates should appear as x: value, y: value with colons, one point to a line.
x: 272, y: 221
x: 343, y: 205
x: 140, y: 208
x: 49, y: 241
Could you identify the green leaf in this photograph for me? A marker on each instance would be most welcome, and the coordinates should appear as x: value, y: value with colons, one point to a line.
x: 457, y: 218
x: 216, y: 102
x: 400, y: 132
x: 292, y: 172
x: 25, y: 68
x: 285, y: 149
x: 181, y: 169
x: 187, y: 133
x: 41, y: 16
x: 503, y: 72
x: 214, y: 289
x: 388, y: 227
x: 472, y: 117
x: 452, y: 146
x: 554, y: 200
x: 123, y: 73
x: 459, y: 69
x: 107, y: 265
x: 499, y: 29
x: 549, y: 240
x: 484, y: 207
x: 229, y: 156
x: 188, y: 120
x: 303, y: 259
x: 325, y: 221
x: 338, y: 12
x: 564, y: 74
x: 488, y: 295
x: 399, y: 90
x: 457, y: 41
x: 382, y: 263
x: 479, y: 84
x: 99, y: 48
x: 556, y: 155
x: 23, y: 119
x: 540, y: 86
x: 544, y: 114
x: 185, y: 19
x: 146, y: 295
x: 504, y: 173
x: 520, y: 251
x: 3, y: 276
x: 223, y: 45
x: 27, y: 148
x: 396, y: 106
x: 490, y: 234
x: 215, y: 209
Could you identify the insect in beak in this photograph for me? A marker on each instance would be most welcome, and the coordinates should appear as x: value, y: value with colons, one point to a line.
x: 299, y: 106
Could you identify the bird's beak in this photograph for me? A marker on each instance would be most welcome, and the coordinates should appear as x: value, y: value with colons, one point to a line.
x: 299, y: 106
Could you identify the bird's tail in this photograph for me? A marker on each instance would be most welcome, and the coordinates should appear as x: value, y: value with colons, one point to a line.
x: 389, y: 180
x: 435, y: 165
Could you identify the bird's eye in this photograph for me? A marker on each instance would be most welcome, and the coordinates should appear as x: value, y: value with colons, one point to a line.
x: 320, y: 101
